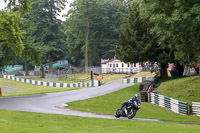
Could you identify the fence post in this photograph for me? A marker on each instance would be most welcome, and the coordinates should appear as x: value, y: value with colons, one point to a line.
x: 92, y: 79
x: 0, y: 91
x: 149, y: 96
x: 189, y: 109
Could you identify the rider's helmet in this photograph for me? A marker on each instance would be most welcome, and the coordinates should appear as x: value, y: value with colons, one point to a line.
x: 136, y: 97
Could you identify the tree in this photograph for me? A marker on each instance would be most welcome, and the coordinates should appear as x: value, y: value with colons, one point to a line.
x: 10, y: 37
x: 137, y: 44
x: 11, y: 44
x: 23, y: 5
x: 48, y: 29
x: 30, y: 52
x: 83, y: 12
x: 92, y: 30
x: 176, y: 25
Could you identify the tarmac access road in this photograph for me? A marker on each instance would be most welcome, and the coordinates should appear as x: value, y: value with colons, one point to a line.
x: 9, y: 89
x: 46, y: 103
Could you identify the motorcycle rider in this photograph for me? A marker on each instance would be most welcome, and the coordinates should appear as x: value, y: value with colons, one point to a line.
x: 132, y: 100
x: 135, y: 99
x: 129, y: 109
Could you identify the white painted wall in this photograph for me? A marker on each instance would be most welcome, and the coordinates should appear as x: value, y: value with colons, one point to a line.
x: 120, y: 67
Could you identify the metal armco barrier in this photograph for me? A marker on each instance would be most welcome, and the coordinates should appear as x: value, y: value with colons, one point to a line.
x: 196, y: 108
x: 51, y: 84
x: 170, y: 103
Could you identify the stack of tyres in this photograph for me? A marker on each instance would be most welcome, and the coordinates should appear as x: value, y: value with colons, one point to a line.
x: 144, y: 97
x: 145, y: 88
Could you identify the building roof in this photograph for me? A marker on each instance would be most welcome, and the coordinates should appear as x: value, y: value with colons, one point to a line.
x: 111, y: 61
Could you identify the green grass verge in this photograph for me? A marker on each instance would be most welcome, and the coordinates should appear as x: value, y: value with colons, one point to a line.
x: 109, y: 103
x: 26, y: 122
x: 29, y: 89
x: 183, y: 89
x: 142, y: 74
x: 86, y: 78
x: 110, y: 77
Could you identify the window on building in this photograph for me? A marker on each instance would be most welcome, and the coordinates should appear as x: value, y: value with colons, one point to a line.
x: 116, y: 65
x: 128, y: 65
x: 113, y: 65
x: 134, y: 64
x: 131, y: 65
x: 110, y: 65
x: 122, y: 65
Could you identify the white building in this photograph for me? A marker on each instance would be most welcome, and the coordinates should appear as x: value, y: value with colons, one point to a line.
x: 119, y: 67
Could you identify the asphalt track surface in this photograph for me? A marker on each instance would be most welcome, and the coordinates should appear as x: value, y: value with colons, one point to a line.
x: 9, y: 89
x: 52, y: 103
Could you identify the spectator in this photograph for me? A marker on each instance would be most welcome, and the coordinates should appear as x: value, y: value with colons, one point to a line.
x: 99, y: 80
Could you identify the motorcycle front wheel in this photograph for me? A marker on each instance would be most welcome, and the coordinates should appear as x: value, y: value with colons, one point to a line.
x: 131, y: 114
x: 118, y: 113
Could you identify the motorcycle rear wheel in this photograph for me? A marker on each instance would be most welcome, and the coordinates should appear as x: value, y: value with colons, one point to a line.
x: 131, y: 114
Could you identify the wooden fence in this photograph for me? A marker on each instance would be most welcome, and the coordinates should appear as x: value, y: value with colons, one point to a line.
x: 170, y: 103
x: 196, y: 108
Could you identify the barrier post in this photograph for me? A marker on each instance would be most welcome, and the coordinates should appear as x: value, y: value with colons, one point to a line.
x: 189, y: 109
x: 0, y: 91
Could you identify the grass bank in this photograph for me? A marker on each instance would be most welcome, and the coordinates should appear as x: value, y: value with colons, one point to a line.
x: 25, y: 122
x: 83, y: 77
x: 29, y: 89
x: 109, y: 103
x: 142, y: 74
x: 183, y: 89
x: 110, y: 77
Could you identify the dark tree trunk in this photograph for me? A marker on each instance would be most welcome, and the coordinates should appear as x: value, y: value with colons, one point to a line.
x: 26, y: 68
x: 199, y: 70
x: 42, y: 71
x: 50, y: 65
x: 163, y: 71
x: 86, y: 44
x: 180, y: 69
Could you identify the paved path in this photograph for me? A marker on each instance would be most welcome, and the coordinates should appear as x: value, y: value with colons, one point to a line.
x: 52, y: 102
x: 9, y: 89
x: 45, y: 103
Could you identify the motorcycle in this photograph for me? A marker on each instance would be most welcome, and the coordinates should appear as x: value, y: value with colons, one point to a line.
x: 127, y: 110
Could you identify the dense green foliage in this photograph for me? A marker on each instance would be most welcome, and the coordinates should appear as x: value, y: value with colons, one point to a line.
x: 137, y: 44
x: 100, y: 21
x: 43, y: 39
x: 12, y: 32
x: 22, y: 5
x: 152, y: 30
x: 48, y: 29
x: 176, y: 23
x: 10, y: 36
x: 161, y: 31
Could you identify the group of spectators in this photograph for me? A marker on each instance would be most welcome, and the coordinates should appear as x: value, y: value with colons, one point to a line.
x: 149, y: 66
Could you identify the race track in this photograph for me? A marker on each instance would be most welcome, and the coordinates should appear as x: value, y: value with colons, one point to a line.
x: 52, y: 103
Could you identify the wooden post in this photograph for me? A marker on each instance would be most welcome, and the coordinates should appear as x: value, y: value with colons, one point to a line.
x: 189, y: 109
x: 149, y: 96
x: 0, y: 91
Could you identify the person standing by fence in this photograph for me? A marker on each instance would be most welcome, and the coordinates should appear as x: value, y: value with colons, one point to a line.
x: 197, y: 67
x: 99, y: 80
